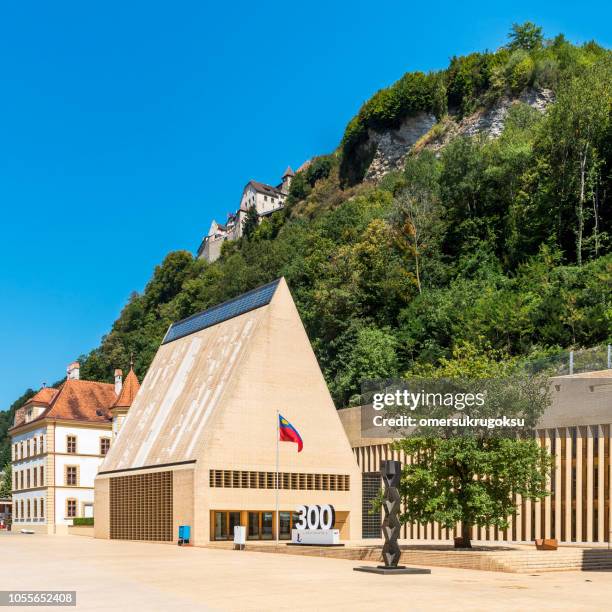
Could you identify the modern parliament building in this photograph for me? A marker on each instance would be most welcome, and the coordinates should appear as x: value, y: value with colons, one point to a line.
x: 198, y: 446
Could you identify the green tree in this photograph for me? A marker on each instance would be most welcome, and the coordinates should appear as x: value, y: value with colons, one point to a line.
x: 251, y: 222
x: 6, y: 480
x: 470, y: 481
x: 527, y: 36
x: 416, y: 216
x: 471, y: 478
x: 577, y: 136
x: 371, y: 356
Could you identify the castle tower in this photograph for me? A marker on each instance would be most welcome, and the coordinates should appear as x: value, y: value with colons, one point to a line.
x: 287, y: 178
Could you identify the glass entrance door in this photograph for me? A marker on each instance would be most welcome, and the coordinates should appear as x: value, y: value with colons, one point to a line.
x: 233, y: 521
x: 220, y: 525
x: 267, y: 529
x: 253, y: 526
x: 224, y: 523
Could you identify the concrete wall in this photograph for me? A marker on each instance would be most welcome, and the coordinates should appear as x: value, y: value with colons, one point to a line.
x: 102, y: 508
x: 182, y: 499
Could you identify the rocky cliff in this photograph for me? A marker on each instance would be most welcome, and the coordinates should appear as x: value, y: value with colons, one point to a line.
x: 392, y: 146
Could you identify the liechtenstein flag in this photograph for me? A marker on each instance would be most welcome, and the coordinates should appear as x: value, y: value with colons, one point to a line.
x: 288, y: 433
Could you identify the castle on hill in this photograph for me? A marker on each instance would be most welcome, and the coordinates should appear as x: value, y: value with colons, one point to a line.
x: 266, y: 199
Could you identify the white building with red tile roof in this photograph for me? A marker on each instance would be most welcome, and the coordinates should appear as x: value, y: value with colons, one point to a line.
x: 59, y: 439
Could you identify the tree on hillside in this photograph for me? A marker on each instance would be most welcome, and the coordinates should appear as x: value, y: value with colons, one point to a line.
x: 251, y: 222
x: 416, y: 214
x: 470, y: 477
x: 372, y: 356
x: 527, y: 36
x: 577, y: 136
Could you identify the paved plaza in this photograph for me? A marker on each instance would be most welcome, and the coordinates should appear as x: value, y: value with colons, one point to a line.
x: 119, y: 575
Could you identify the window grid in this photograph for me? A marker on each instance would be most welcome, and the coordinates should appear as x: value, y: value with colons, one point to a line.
x: 239, y: 479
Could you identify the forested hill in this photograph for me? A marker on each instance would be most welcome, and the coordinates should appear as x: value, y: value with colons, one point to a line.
x: 477, y: 243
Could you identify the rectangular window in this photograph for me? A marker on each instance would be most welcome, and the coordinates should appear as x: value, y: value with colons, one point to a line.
x: 35, y: 476
x: 42, y: 476
x: 71, y: 507
x: 28, y: 478
x: 71, y: 444
x: 42, y: 507
x: 71, y: 475
x: 104, y: 445
x: 29, y: 515
x: 34, y: 508
x: 36, y: 447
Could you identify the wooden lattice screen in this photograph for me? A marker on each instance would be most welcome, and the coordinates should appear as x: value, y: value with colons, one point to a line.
x: 141, y: 507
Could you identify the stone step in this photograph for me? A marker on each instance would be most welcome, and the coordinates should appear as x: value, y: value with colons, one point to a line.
x: 514, y: 561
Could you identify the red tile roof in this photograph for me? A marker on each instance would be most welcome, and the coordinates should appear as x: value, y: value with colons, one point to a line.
x: 75, y: 400
x: 128, y: 391
x: 44, y: 396
x: 83, y: 400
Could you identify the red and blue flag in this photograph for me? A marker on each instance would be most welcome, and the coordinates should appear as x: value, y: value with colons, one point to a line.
x: 288, y: 433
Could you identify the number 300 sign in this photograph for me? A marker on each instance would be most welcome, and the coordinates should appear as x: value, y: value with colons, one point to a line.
x: 316, y: 517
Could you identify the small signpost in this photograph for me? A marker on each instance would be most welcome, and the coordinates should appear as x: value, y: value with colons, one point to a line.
x: 239, y: 537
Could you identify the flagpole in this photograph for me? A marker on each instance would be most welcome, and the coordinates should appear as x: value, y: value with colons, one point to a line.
x: 277, y: 454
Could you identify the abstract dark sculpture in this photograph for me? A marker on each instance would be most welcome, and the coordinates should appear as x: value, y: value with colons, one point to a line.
x: 391, y: 472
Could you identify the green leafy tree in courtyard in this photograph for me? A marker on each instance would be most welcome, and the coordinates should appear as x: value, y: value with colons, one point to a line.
x: 471, y: 480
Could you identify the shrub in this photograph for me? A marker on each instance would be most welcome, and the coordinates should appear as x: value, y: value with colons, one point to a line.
x: 83, y: 521
x: 546, y: 73
x: 519, y: 69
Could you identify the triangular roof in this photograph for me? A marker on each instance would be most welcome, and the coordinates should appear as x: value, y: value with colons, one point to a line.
x: 288, y: 172
x: 216, y: 383
x: 128, y: 390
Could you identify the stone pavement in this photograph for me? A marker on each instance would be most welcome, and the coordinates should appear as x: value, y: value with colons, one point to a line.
x: 117, y: 575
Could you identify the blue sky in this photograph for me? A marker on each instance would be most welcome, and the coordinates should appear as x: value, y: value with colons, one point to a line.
x: 125, y: 127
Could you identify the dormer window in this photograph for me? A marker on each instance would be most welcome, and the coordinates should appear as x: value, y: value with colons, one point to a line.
x: 29, y: 415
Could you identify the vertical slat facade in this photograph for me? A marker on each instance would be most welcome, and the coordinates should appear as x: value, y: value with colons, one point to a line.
x: 578, y: 508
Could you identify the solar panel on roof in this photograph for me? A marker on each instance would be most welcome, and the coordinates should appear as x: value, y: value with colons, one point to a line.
x: 222, y: 312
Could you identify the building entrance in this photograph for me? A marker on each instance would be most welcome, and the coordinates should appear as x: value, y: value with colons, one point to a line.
x: 260, y: 524
x: 224, y: 524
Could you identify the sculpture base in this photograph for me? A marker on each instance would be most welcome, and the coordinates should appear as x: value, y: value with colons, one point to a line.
x: 399, y: 569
